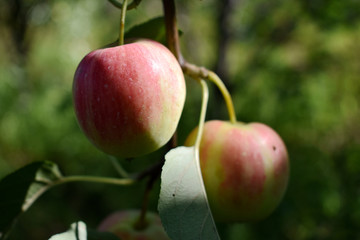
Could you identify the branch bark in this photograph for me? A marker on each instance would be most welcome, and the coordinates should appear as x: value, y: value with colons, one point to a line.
x: 194, y: 71
x: 172, y: 34
x: 172, y: 37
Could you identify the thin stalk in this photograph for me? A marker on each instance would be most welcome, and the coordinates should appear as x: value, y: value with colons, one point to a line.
x: 201, y: 72
x: 122, y: 22
x: 118, y: 167
x: 205, y: 98
x: 141, y: 222
x: 115, y: 181
x: 226, y: 95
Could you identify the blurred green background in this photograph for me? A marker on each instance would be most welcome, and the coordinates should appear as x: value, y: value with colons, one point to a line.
x: 294, y: 65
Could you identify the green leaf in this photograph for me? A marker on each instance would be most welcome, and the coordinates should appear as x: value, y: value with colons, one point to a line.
x: 21, y: 188
x: 153, y: 29
x: 79, y: 231
x: 183, y: 205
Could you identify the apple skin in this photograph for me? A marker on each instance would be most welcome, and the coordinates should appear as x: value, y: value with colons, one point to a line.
x: 245, y: 169
x: 122, y: 224
x: 128, y: 99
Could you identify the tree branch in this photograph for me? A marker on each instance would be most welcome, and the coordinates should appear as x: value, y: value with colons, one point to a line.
x: 192, y: 70
x: 172, y: 34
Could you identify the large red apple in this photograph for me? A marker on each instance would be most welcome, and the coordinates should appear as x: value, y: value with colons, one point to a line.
x: 245, y: 169
x: 123, y: 225
x: 128, y: 99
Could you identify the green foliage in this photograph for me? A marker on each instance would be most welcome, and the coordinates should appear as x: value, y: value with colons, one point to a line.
x: 152, y: 29
x: 22, y: 187
x: 293, y: 65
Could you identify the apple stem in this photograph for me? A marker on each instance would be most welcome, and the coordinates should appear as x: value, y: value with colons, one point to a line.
x: 213, y: 77
x: 122, y: 22
x: 201, y: 72
x: 154, y: 173
x: 141, y: 222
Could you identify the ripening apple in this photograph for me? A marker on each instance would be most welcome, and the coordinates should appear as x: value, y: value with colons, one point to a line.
x: 128, y: 99
x: 123, y: 225
x: 245, y: 169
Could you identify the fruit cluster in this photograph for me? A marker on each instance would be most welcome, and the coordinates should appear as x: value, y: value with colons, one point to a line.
x: 128, y: 101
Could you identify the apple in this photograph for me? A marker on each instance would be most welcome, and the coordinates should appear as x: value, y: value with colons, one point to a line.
x: 123, y: 225
x: 245, y: 169
x: 128, y: 99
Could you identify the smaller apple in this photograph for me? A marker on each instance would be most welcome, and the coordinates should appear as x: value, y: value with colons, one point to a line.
x: 245, y: 169
x: 124, y: 225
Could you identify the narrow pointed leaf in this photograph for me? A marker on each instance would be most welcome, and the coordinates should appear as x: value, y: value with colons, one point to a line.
x: 183, y: 204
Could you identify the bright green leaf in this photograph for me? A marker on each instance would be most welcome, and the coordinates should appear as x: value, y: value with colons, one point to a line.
x: 183, y: 204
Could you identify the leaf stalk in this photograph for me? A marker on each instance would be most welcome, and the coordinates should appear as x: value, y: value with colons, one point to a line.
x: 62, y: 180
x: 205, y: 100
